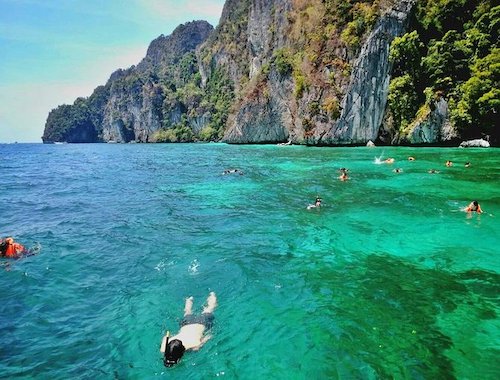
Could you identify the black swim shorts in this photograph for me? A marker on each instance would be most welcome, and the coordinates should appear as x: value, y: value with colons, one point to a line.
x: 205, y: 319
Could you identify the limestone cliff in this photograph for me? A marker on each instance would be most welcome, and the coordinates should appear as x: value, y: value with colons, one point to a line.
x: 316, y: 101
x: 130, y: 106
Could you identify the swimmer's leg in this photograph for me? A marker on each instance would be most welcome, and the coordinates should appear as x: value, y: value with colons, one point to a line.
x: 188, y: 308
x: 211, y: 303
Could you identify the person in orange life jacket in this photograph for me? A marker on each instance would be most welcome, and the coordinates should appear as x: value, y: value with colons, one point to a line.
x: 474, y: 206
x: 9, y: 248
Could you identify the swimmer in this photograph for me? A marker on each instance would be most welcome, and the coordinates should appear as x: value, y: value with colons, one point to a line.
x: 389, y: 161
x: 433, y: 171
x: 10, y: 249
x: 473, y: 206
x: 231, y: 171
x: 398, y: 170
x: 411, y: 158
x: 317, y: 203
x: 191, y: 335
x: 467, y: 164
x: 343, y: 174
x: 449, y: 163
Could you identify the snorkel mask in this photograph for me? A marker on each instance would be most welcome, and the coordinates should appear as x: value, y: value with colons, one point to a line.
x: 168, y: 362
x: 173, y: 351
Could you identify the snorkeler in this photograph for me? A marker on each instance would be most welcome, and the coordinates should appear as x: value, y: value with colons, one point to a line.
x: 474, y: 206
x: 317, y: 203
x: 9, y: 248
x: 191, y: 335
x: 231, y: 171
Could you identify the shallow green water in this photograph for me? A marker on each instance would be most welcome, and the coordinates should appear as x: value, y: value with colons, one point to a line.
x: 389, y: 279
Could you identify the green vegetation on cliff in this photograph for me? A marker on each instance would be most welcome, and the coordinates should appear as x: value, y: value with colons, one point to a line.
x: 450, y: 51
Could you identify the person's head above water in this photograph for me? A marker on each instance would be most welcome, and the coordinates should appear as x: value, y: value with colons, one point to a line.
x: 173, y: 352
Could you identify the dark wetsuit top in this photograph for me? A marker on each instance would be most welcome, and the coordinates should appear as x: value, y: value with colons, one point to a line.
x: 205, y: 319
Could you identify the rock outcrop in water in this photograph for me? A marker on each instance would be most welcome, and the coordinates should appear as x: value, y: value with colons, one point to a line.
x: 478, y: 143
x: 315, y: 72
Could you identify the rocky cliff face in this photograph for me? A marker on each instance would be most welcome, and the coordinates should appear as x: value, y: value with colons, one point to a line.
x: 314, y: 116
x: 434, y: 127
x: 130, y: 106
x: 363, y: 105
x: 266, y: 111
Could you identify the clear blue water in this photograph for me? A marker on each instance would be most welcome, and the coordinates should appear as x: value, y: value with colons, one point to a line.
x: 389, y: 279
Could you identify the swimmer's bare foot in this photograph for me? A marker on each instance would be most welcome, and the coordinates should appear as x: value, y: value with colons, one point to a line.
x: 188, y: 308
x: 211, y: 303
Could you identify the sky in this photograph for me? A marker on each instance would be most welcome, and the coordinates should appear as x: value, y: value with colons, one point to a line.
x: 54, y: 51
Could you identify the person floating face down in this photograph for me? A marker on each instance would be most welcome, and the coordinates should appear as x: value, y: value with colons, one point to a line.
x: 231, y: 171
x: 474, y: 206
x: 9, y: 248
x: 191, y: 335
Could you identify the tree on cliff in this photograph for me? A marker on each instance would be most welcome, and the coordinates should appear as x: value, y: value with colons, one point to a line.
x: 459, y: 61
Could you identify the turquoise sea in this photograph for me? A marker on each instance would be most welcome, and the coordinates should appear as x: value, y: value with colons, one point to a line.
x: 388, y: 280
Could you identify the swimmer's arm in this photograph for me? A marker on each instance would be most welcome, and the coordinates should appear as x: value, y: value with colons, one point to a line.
x: 163, y: 344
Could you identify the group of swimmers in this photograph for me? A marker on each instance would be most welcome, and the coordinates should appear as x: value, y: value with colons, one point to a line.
x: 448, y: 164
x: 472, y: 207
x: 192, y: 334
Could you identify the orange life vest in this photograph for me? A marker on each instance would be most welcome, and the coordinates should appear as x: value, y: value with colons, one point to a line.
x: 13, y: 249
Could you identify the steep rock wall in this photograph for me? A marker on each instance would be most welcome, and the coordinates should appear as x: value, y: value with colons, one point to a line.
x: 364, y: 104
x: 132, y: 115
x: 363, y: 97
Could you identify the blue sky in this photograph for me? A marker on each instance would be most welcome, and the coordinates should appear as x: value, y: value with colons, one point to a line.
x: 53, y: 51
